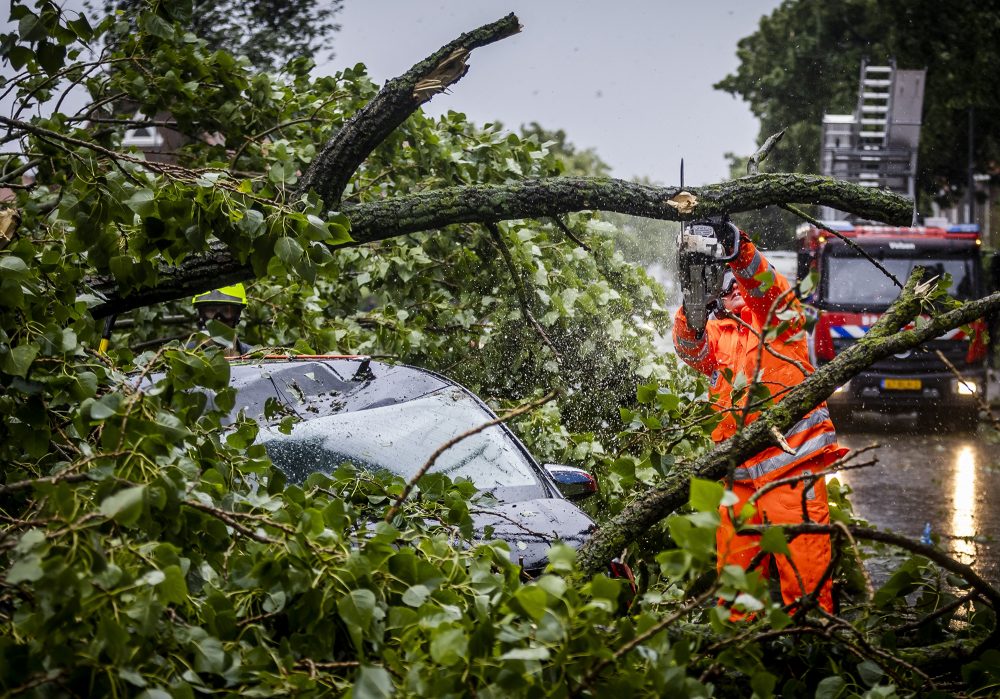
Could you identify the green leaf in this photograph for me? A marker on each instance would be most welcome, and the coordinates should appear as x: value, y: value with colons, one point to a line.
x: 17, y: 361
x: 155, y: 694
x: 210, y: 656
x: 122, y: 267
x: 143, y: 202
x: 763, y: 684
x: 748, y: 602
x: 288, y: 250
x: 601, y: 586
x: 221, y: 333
x: 276, y: 173
x: 19, y: 56
x: 51, y: 57
x: 28, y: 569
x: 706, y: 495
x: 535, y: 653
x: 830, y: 688
x: 647, y: 393
x: 125, y: 506
x: 357, y: 609
x: 132, y: 677
x: 105, y: 406
x: 416, y: 596
x: 668, y: 401
x: 81, y: 27
x: 531, y: 600
x: 156, y: 26
x: 338, y: 234
x: 30, y: 540
x: 773, y: 541
x: 870, y: 673
x: 12, y: 266
x: 32, y: 28
x: 372, y: 683
x: 449, y: 645
x: 562, y: 558
x: 173, y: 589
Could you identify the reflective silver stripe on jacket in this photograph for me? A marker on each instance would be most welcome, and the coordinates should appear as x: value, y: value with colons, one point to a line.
x: 781, y: 460
x: 701, y: 355
x: 811, y: 420
x: 696, y: 350
x: 757, y: 266
x: 692, y: 345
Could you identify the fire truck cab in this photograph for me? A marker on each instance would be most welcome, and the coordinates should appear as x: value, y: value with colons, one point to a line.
x: 850, y: 294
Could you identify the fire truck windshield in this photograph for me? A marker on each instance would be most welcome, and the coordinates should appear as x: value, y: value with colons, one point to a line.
x: 855, y: 281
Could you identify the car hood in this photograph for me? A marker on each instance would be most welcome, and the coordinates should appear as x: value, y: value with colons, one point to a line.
x: 530, y: 527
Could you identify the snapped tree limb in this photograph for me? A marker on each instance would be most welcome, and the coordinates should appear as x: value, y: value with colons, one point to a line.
x: 333, y: 167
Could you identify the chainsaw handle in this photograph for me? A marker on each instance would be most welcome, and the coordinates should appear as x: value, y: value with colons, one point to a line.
x: 736, y: 242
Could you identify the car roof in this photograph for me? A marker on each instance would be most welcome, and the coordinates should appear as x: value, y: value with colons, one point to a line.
x: 317, y: 386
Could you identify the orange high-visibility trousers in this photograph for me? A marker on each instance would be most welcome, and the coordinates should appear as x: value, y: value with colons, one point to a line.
x: 810, y: 553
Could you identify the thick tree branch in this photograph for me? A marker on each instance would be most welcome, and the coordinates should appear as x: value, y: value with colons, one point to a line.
x: 883, y: 340
x: 532, y: 198
x: 333, y: 167
x: 541, y: 197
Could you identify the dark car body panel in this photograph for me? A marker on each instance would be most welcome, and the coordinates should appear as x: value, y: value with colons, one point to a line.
x: 529, y: 519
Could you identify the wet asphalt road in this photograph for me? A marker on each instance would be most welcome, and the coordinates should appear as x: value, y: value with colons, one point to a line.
x: 951, y: 481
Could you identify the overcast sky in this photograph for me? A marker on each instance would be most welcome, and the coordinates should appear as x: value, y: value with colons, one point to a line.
x: 630, y: 78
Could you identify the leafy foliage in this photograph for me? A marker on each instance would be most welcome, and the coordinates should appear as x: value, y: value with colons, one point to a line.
x: 268, y: 32
x: 804, y: 58
x: 148, y: 546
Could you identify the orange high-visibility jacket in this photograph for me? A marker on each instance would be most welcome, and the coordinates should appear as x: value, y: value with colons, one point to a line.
x: 728, y: 343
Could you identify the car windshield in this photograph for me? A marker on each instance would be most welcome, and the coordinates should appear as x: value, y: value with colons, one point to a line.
x: 855, y: 281
x: 401, y: 438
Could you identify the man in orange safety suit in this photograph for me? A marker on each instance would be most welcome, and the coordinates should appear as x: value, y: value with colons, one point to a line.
x: 756, y: 298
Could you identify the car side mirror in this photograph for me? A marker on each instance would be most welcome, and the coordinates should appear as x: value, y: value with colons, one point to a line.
x: 574, y: 483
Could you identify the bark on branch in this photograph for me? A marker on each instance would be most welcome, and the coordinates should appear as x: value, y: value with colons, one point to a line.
x: 333, y: 167
x: 537, y: 198
x: 883, y: 340
x: 531, y: 198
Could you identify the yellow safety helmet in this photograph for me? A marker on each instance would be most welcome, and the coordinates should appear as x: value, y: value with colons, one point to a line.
x: 234, y: 294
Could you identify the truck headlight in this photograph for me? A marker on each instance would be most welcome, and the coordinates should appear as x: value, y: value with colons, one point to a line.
x: 965, y: 387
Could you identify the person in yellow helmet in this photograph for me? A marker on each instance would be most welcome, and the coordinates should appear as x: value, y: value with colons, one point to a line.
x: 225, y: 305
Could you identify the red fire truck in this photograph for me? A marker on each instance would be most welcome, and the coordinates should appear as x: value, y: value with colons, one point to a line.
x: 851, y: 293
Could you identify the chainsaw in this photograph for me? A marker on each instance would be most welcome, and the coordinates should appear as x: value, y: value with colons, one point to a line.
x: 703, y: 250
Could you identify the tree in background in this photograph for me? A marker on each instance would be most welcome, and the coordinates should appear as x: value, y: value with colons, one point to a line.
x: 580, y: 162
x: 268, y: 32
x: 804, y: 61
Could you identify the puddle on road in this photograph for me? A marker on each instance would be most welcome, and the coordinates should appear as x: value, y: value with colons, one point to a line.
x: 950, y: 481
